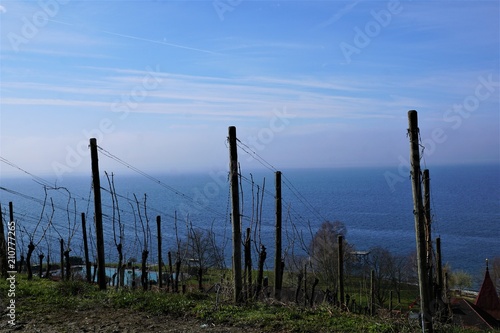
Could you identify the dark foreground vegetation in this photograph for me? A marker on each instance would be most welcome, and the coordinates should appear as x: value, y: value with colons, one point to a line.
x: 76, y: 306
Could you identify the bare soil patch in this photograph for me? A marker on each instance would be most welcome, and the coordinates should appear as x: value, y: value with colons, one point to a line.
x: 105, y: 320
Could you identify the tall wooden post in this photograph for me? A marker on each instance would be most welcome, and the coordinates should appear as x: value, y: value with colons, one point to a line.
x: 260, y: 273
x: 3, y: 248
x: 439, y: 269
x: 341, y: 270
x: 47, y: 271
x: 40, y: 272
x: 158, y: 227
x: 427, y: 213
x: 11, y: 211
x: 418, y: 212
x: 305, y: 284
x: 277, y: 260
x: 61, y: 242
x: 390, y: 303
x: 101, y: 274
x: 86, y: 249
x: 235, y: 214
x: 428, y: 235
x: 170, y: 266
x: 177, y: 272
x: 445, y: 287
x: 372, y: 292
x: 248, y: 264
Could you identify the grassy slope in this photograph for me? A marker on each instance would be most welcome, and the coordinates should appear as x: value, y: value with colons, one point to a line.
x: 38, y: 297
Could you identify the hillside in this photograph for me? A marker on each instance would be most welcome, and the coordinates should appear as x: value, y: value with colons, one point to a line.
x: 74, y: 306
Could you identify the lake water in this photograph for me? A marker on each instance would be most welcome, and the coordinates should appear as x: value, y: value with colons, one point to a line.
x: 375, y: 204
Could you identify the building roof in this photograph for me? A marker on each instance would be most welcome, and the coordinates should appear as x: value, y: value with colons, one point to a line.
x: 487, y: 299
x: 467, y: 315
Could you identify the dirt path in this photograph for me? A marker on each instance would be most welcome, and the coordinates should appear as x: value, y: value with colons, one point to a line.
x: 117, y: 321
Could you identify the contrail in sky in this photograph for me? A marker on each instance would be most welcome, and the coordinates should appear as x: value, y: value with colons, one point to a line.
x: 144, y: 39
x: 161, y: 42
x: 347, y: 8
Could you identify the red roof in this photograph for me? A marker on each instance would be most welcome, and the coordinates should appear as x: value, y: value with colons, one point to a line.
x: 487, y: 299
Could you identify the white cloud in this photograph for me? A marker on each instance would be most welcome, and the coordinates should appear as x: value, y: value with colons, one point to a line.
x: 193, y: 95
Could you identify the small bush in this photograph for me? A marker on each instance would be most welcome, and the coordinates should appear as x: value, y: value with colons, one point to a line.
x: 74, y: 288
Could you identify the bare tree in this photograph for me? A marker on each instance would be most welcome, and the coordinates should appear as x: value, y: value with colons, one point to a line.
x: 260, y: 249
x: 178, y: 257
x: 460, y: 280
x: 323, y: 251
x: 202, y: 251
x: 382, y: 262
x: 31, y: 235
x: 146, y: 237
x: 116, y: 217
x: 72, y: 227
x: 399, y: 273
x: 297, y: 253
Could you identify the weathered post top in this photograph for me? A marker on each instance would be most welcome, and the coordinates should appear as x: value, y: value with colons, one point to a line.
x: 412, y: 117
x: 418, y: 211
x: 235, y: 213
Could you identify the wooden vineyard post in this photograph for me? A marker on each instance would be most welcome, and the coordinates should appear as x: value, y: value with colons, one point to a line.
x: 68, y: 264
x: 439, y: 269
x: 177, y: 272
x: 445, y: 286
x: 277, y: 260
x: 86, y: 249
x: 299, y: 285
x: 341, y: 270
x: 47, y: 271
x: 390, y: 303
x: 94, y: 273
x: 40, y: 272
x: 31, y: 248
x: 61, y: 242
x: 248, y: 265
x: 144, y: 272
x: 418, y: 212
x: 235, y: 214
x: 11, y: 211
x: 305, y: 285
x: 428, y: 236
x: 170, y: 280
x: 260, y: 273
x: 158, y: 227
x: 372, y: 292
x: 96, y: 183
x: 313, y: 292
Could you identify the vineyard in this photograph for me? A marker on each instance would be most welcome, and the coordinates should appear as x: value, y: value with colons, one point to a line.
x: 175, y: 261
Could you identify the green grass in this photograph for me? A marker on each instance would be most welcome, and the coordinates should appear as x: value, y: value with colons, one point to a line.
x: 39, y: 297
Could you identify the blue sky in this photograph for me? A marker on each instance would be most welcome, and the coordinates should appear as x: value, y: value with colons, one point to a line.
x: 306, y: 83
